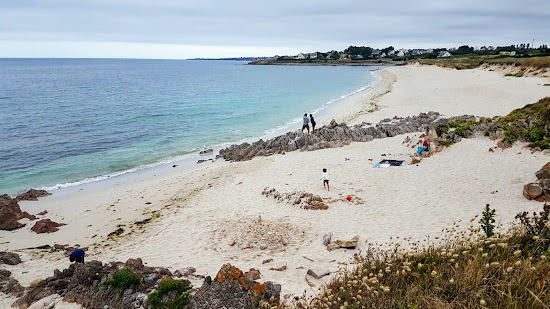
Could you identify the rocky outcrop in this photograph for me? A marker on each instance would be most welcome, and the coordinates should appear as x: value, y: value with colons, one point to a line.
x: 539, y: 190
x: 544, y: 172
x: 46, y: 226
x: 10, y: 258
x: 10, y: 213
x: 305, y: 200
x: 9, y: 285
x: 85, y: 284
x: 32, y: 195
x: 232, y: 289
x: 331, y: 136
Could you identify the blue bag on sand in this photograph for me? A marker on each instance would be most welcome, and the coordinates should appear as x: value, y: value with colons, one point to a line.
x: 420, y: 149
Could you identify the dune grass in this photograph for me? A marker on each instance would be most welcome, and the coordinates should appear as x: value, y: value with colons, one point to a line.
x: 466, y: 271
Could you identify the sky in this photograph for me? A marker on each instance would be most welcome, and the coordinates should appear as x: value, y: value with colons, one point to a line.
x: 181, y: 29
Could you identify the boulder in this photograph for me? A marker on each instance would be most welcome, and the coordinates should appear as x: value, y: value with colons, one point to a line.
x: 10, y: 258
x: 206, y: 152
x: 544, y: 172
x: 253, y: 274
x: 318, y: 274
x: 46, y: 226
x: 32, y: 195
x: 232, y: 289
x: 10, y: 213
x: 348, y: 243
x: 9, y: 285
x: 327, y: 238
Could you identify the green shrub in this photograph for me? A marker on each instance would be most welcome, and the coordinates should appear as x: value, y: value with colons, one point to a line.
x: 442, y: 129
x: 511, y: 134
x: 166, y: 286
x: 488, y: 221
x: 462, y: 128
x: 123, y: 279
x: 535, y: 133
x: 445, y: 143
x: 544, y: 144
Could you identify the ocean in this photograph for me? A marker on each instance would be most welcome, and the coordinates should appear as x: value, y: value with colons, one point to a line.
x: 68, y: 121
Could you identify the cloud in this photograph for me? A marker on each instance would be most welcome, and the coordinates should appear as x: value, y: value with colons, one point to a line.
x: 281, y: 25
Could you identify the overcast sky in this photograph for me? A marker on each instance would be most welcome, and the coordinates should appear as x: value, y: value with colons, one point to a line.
x: 216, y: 28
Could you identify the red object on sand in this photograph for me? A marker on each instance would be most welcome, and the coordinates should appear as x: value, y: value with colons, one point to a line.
x: 348, y: 198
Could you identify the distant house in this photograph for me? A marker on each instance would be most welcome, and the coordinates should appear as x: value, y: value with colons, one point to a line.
x: 383, y: 55
x: 356, y: 57
x: 391, y: 52
x: 376, y: 53
x: 313, y: 55
x: 401, y: 53
x: 444, y: 54
x: 301, y: 56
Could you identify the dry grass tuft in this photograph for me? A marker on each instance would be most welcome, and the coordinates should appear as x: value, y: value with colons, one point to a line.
x: 467, y: 271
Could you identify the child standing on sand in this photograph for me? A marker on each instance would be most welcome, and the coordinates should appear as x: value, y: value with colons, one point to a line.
x: 324, y: 177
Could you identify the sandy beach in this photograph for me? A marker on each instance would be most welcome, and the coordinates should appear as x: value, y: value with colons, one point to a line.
x: 203, y: 216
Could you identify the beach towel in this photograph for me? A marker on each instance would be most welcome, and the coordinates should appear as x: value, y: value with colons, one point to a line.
x: 388, y: 163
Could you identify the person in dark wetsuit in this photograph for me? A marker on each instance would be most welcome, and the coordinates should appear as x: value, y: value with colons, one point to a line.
x: 77, y: 256
x: 313, y: 123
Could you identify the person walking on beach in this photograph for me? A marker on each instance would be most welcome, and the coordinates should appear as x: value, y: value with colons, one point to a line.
x: 306, y: 123
x: 77, y: 256
x: 313, y: 123
x: 324, y: 177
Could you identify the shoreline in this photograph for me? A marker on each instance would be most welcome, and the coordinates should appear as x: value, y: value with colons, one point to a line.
x: 203, y: 209
x: 192, y: 158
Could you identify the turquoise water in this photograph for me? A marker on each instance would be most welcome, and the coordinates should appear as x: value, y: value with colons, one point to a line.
x: 66, y: 120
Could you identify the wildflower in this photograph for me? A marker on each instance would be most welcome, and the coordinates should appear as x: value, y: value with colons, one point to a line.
x: 455, y: 255
x: 495, y: 264
x: 419, y: 265
x: 464, y: 252
x: 482, y: 302
x: 480, y: 249
x: 484, y: 255
x: 517, y: 263
x: 517, y: 253
x: 492, y: 246
x: 451, y: 281
x: 536, y: 238
x: 510, y: 269
x: 434, y: 273
x: 487, y: 265
x: 543, y: 257
x: 503, y: 245
x: 452, y: 260
x: 548, y: 225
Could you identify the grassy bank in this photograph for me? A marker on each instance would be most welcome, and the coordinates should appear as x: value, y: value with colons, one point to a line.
x: 467, y: 270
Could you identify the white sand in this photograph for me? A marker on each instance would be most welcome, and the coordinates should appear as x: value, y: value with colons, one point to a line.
x: 202, y: 209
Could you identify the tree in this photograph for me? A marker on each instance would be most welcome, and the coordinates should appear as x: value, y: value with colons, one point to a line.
x: 359, y: 50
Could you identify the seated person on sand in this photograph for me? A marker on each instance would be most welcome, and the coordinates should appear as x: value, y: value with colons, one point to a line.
x: 77, y: 256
